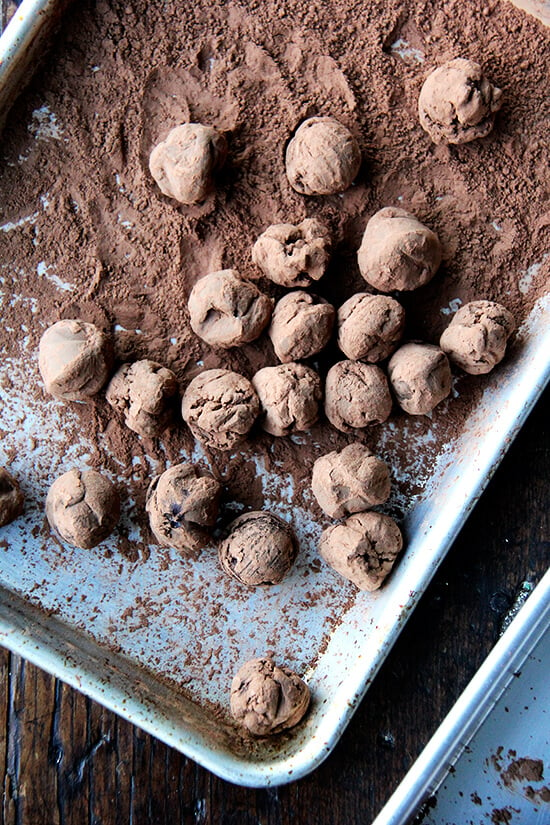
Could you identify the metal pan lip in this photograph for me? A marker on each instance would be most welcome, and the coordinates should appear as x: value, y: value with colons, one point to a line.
x: 472, y: 707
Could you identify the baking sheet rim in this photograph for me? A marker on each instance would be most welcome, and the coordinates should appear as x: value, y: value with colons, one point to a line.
x: 237, y: 769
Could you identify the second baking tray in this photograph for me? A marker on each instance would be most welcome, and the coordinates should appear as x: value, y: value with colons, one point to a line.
x: 127, y: 633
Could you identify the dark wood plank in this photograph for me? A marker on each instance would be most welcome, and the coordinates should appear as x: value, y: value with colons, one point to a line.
x: 70, y: 746
x: 36, y: 789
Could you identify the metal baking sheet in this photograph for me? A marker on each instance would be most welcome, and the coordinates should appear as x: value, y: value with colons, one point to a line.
x: 129, y: 634
x: 478, y: 766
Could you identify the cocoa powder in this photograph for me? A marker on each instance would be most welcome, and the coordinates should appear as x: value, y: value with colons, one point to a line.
x: 85, y: 232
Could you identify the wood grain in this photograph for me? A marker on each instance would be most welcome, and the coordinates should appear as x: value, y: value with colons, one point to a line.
x: 67, y: 761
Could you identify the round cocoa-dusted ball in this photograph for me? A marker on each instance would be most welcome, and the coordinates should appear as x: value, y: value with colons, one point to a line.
x: 370, y: 327
x: 75, y: 359
x: 457, y: 103
x: 322, y: 158
x: 227, y: 311
x: 183, y: 165
x: 293, y: 255
x: 289, y: 398
x: 11, y: 497
x: 181, y: 503
x: 260, y: 548
x: 476, y: 338
x: 420, y: 377
x: 397, y: 251
x: 363, y: 548
x: 220, y: 407
x: 356, y: 396
x: 350, y: 481
x: 301, y: 326
x: 144, y: 392
x: 82, y: 507
x: 267, y: 698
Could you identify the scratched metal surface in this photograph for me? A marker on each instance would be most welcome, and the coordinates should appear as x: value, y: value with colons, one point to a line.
x: 118, y: 628
x: 489, y: 759
x: 495, y: 779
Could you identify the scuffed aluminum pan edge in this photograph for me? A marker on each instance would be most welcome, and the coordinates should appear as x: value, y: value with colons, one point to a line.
x: 471, y: 709
x: 22, y: 44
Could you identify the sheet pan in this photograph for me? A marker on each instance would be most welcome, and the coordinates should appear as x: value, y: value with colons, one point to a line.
x: 124, y: 633
x: 500, y: 716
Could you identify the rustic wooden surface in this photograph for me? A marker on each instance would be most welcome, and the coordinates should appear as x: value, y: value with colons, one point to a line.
x: 67, y: 761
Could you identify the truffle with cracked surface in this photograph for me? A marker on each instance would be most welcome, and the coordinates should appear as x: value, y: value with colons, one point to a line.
x: 363, y: 548
x: 370, y: 327
x: 11, y: 497
x: 398, y: 251
x: 181, y: 503
x: 476, y: 338
x: 260, y: 548
x: 356, y: 396
x: 323, y: 157
x: 227, y: 311
x: 220, y: 407
x: 82, y: 507
x: 457, y: 103
x: 184, y: 164
x: 350, y: 481
x: 420, y: 376
x: 301, y: 326
x: 267, y: 698
x: 144, y: 391
x: 75, y: 359
x: 291, y: 255
x: 289, y: 397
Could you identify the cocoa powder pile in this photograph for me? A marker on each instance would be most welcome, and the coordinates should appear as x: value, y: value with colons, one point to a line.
x: 85, y: 232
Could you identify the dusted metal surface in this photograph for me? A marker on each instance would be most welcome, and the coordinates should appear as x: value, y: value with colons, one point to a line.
x: 342, y: 673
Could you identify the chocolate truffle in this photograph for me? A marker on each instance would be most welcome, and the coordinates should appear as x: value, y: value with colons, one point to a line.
x: 293, y: 255
x: 457, y: 103
x: 289, y: 397
x: 74, y: 359
x: 370, y: 327
x: 420, y: 377
x: 476, y: 338
x: 260, y: 548
x: 350, y: 481
x: 363, y: 548
x: 11, y: 497
x: 267, y: 698
x: 397, y: 251
x: 183, y: 165
x: 220, y: 407
x: 227, y: 311
x: 322, y: 158
x: 356, y: 396
x: 180, y: 504
x: 82, y: 507
x: 301, y: 325
x: 144, y: 392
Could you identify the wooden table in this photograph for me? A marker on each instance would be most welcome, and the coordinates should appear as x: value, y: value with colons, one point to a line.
x: 68, y: 761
